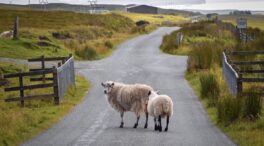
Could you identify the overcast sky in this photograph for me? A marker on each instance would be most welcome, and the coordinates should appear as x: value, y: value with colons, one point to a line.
x: 177, y: 4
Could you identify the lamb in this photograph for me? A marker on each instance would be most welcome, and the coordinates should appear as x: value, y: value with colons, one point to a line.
x: 160, y: 106
x: 125, y: 97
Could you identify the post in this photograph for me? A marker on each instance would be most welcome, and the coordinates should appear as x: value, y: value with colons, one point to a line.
x: 15, y: 31
x: 43, y: 67
x: 55, y: 87
x: 21, y: 90
x: 239, y: 85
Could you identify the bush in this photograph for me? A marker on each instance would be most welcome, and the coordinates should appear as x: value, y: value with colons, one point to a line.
x: 87, y: 53
x: 204, y: 55
x: 228, y: 109
x: 252, y: 105
x: 109, y: 44
x: 209, y: 88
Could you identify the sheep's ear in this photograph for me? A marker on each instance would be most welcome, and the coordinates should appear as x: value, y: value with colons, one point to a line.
x: 102, y: 84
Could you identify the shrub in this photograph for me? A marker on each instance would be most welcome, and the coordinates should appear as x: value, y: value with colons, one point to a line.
x: 204, y: 55
x: 87, y: 53
x: 109, y: 44
x: 209, y: 88
x: 228, y: 109
x: 252, y: 105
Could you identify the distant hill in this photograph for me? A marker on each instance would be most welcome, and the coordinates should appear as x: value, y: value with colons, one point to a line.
x: 63, y: 7
x: 221, y: 12
x: 86, y: 8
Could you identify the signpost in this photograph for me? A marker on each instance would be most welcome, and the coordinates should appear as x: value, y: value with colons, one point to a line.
x: 241, y: 23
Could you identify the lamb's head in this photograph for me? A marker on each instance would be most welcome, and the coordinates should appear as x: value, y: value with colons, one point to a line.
x: 153, y: 94
x: 108, y: 86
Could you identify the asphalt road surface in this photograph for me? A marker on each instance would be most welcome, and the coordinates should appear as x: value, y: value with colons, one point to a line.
x: 139, y: 60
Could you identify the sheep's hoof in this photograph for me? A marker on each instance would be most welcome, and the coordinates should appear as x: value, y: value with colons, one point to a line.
x: 135, y: 126
x: 156, y: 128
x: 122, y: 125
x: 166, y: 129
x: 160, y: 129
x: 146, y: 126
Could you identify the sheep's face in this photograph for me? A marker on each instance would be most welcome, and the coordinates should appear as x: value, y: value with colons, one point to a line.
x: 108, y: 86
x: 153, y: 94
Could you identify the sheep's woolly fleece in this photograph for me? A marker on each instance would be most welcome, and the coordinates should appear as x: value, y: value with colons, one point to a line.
x: 125, y: 97
x: 160, y: 105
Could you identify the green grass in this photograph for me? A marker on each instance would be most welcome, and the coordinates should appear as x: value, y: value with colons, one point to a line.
x: 253, y: 20
x: 243, y: 132
x: 204, y: 43
x: 20, y: 124
x: 80, y: 30
x: 156, y: 19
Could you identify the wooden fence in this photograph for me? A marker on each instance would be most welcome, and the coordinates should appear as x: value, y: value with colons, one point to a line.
x: 239, y: 33
x: 234, y: 72
x: 60, y: 78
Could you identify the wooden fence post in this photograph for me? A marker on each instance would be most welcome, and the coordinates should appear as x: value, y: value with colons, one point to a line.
x: 55, y: 87
x: 43, y: 67
x: 21, y: 90
x: 239, y: 85
x: 15, y: 31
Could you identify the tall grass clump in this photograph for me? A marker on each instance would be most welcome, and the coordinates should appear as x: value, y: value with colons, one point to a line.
x: 169, y: 43
x: 109, y: 44
x: 228, y: 109
x: 87, y: 53
x: 252, y: 105
x: 204, y: 55
x: 209, y: 88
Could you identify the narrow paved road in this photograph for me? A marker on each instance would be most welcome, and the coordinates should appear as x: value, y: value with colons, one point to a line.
x: 138, y: 60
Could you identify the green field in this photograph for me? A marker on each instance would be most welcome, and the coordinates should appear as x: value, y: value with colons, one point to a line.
x: 253, y: 20
x: 20, y: 124
x: 204, y: 43
x: 155, y: 19
x: 57, y: 33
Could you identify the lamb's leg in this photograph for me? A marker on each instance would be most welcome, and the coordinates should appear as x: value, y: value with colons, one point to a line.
x: 136, y: 124
x: 122, y: 119
x: 168, y: 120
x: 160, y: 126
x: 146, y: 111
x: 156, y: 126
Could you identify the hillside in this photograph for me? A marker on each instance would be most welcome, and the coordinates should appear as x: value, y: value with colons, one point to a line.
x: 58, y: 33
x: 86, y: 8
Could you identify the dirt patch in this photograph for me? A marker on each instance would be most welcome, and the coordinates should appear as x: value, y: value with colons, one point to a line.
x: 61, y: 35
x: 44, y: 38
x: 44, y: 44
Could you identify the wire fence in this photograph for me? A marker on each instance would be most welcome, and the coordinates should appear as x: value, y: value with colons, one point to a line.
x: 230, y: 75
x: 66, y: 76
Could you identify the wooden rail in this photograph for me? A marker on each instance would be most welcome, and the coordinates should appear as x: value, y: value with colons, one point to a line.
x: 21, y: 88
x: 40, y: 74
x: 234, y: 65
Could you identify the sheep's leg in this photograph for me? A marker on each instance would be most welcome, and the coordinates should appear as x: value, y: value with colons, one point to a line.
x: 136, y: 124
x: 122, y: 119
x: 160, y: 126
x: 156, y: 126
x: 168, y: 120
x: 146, y: 111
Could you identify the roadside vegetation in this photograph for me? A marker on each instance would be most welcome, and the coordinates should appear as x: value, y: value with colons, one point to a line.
x: 240, y: 117
x: 253, y: 20
x: 20, y: 124
x: 57, y: 33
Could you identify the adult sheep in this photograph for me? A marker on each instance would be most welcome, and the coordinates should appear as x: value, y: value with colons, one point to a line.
x: 160, y: 106
x: 126, y: 97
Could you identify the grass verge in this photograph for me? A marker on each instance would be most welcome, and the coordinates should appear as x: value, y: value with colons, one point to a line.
x: 20, y: 124
x: 204, y: 43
